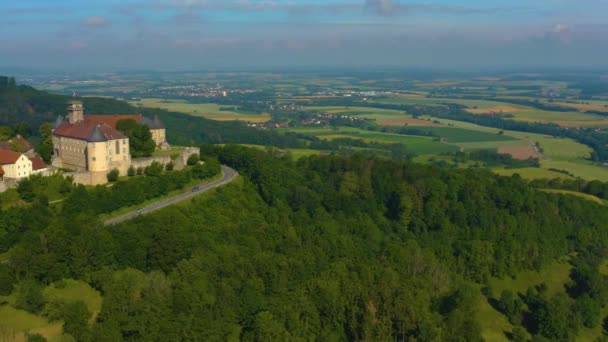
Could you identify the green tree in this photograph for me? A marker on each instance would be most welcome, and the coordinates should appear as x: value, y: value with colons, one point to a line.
x: 25, y: 188
x: 45, y: 149
x: 7, y: 281
x: 511, y: 306
x: 113, y: 175
x: 140, y: 139
x: 589, y: 311
x: 268, y: 329
x: 76, y: 317
x: 193, y: 159
x: 131, y: 171
x: 154, y: 170
x: 29, y: 296
x: 36, y: 338
x: 24, y: 129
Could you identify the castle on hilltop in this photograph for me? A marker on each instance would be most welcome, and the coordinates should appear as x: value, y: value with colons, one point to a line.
x: 93, y: 144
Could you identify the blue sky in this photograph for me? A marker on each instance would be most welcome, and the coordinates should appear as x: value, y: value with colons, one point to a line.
x: 191, y: 34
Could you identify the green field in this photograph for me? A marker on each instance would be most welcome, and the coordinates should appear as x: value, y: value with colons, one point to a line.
x: 558, y: 153
x: 572, y: 118
x: 207, y: 110
x: 416, y: 144
x: 461, y: 135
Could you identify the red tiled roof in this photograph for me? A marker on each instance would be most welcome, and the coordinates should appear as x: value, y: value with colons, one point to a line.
x: 38, y: 163
x: 19, y: 143
x: 8, y: 157
x: 89, y: 131
x: 22, y: 143
x: 111, y: 120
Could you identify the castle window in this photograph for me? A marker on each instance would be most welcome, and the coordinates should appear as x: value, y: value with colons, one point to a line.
x: 94, y: 158
x: 117, y: 147
x: 124, y: 151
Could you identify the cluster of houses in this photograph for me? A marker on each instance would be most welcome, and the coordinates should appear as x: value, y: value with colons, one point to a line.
x: 268, y: 125
x: 323, y: 119
x: 18, y: 160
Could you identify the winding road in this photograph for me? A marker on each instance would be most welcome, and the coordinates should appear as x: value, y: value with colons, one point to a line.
x: 228, y: 175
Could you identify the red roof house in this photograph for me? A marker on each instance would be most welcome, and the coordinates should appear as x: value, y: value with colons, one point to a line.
x: 38, y: 164
x: 8, y: 157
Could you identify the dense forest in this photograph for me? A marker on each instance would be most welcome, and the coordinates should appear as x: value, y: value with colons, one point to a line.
x: 325, y: 248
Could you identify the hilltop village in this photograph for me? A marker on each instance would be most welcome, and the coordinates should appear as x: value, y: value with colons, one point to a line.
x: 85, y: 147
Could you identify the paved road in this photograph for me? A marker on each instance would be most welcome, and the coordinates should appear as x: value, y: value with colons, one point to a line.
x: 228, y: 175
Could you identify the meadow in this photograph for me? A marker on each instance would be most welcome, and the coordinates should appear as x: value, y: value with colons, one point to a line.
x: 207, y: 110
x: 416, y: 144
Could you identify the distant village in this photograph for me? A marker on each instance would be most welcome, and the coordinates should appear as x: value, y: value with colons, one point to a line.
x: 194, y: 91
x: 318, y: 119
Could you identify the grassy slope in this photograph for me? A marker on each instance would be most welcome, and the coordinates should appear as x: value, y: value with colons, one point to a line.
x: 577, y: 194
x: 531, y: 173
x: 493, y: 323
x: 15, y: 323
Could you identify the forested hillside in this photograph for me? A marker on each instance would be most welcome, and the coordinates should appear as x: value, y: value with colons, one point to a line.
x: 327, y: 248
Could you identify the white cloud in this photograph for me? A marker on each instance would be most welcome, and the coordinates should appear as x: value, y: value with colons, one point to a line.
x: 95, y: 22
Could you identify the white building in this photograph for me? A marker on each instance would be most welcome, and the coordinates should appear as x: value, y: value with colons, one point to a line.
x: 14, y: 165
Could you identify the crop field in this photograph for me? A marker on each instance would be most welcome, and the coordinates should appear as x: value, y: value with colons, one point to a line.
x: 438, y: 101
x: 462, y: 135
x: 207, y: 110
x: 416, y: 144
x: 519, y: 152
x: 574, y: 118
x: 506, y: 108
x: 406, y: 121
x: 557, y: 153
x: 601, y: 106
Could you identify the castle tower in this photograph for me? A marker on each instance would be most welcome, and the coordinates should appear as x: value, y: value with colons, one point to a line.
x: 75, y: 111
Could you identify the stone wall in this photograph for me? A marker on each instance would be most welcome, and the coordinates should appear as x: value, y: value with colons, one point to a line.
x: 96, y: 178
x: 182, y: 160
x: 144, y: 162
x: 80, y: 177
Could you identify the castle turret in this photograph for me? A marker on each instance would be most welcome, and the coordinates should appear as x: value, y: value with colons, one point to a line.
x: 75, y: 111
